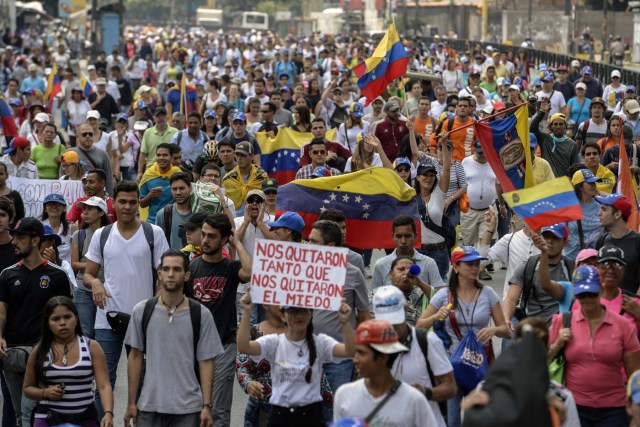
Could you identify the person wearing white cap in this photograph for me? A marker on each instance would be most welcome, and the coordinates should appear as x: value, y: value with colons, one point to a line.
x: 426, y: 365
x: 102, y: 101
x: 574, y: 72
x: 614, y: 91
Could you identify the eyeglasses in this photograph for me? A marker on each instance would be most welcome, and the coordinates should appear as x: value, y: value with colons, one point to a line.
x: 318, y: 152
x: 86, y: 134
x: 254, y: 200
x: 587, y: 295
x: 66, y: 165
x: 610, y: 265
x: 237, y: 123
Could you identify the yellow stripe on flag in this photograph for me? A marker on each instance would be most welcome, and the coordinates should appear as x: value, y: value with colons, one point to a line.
x: 390, y: 38
x: 538, y: 192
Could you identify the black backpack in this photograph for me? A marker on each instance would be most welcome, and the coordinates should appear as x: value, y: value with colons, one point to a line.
x: 339, y: 116
x: 447, y: 230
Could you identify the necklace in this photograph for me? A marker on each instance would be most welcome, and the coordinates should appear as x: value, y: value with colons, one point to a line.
x: 299, y: 347
x: 65, y: 350
x: 171, y: 309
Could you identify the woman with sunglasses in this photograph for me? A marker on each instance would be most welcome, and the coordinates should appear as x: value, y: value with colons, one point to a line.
x: 473, y: 307
x: 296, y: 357
x: 597, y: 346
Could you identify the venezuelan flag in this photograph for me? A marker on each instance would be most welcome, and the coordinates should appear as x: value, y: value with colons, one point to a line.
x: 389, y: 61
x: 506, y: 145
x: 280, y: 156
x: 370, y: 198
x: 54, y: 86
x: 85, y: 86
x: 545, y: 204
x: 188, y: 96
x: 627, y: 185
x: 7, y: 123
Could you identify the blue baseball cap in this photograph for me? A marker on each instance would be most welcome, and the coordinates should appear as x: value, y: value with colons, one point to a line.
x: 533, y: 140
x: 122, y: 116
x: 55, y: 198
x: 210, y: 113
x: 432, y: 46
x: 399, y: 161
x: 357, y: 110
x: 618, y: 201
x: 633, y: 388
x: 547, y: 77
x: 586, y: 279
x: 357, y: 422
x: 630, y: 89
x: 321, y: 172
x: 506, y: 82
x: 15, y: 102
x: 559, y: 230
x: 587, y: 70
x: 543, y: 67
x: 465, y: 254
x: 584, y: 175
x: 48, y: 232
x: 140, y: 105
x: 290, y: 220
x: 240, y: 117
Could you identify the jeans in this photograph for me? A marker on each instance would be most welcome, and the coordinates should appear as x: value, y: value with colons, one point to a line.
x: 111, y: 343
x: 21, y: 404
x: 453, y: 409
x: 42, y: 422
x: 155, y: 419
x: 453, y: 213
x: 366, y: 257
x: 255, y: 412
x: 8, y: 414
x: 442, y: 259
x: 307, y: 416
x: 225, y: 369
x: 338, y: 373
x: 83, y: 298
x: 603, y: 417
x: 503, y: 224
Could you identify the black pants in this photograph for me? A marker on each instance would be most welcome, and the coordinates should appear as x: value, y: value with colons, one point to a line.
x: 307, y: 416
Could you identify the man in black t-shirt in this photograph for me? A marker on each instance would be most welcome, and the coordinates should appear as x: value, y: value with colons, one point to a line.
x: 124, y: 86
x: 25, y: 288
x: 214, y: 282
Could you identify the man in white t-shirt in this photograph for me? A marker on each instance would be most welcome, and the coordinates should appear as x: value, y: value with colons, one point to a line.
x: 555, y: 97
x: 376, y: 345
x: 431, y: 375
x: 129, y: 269
x: 439, y: 105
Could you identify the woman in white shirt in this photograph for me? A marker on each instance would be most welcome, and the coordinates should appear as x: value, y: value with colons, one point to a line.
x: 452, y: 77
x: 368, y: 153
x: 296, y: 358
x: 348, y: 131
x: 77, y: 109
x: 213, y: 97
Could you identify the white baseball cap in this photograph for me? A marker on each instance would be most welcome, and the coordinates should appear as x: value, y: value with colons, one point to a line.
x: 140, y: 125
x: 581, y: 86
x: 575, y: 63
x: 388, y: 304
x: 95, y: 201
x: 93, y: 114
x: 615, y: 73
x: 42, y: 118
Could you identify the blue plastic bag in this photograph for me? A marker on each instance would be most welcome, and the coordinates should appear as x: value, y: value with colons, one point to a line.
x: 470, y: 363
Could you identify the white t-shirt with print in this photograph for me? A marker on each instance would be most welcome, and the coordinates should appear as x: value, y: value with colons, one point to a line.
x: 288, y: 369
x: 407, y: 408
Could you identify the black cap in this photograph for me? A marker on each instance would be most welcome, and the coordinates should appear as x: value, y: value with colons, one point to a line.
x: 160, y: 110
x: 195, y: 221
x: 611, y: 253
x: 270, y: 184
x: 478, y: 147
x: 29, y: 226
x: 426, y: 168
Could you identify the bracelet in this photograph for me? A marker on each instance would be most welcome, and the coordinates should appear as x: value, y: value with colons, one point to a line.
x: 108, y: 412
x: 207, y: 405
x: 490, y: 231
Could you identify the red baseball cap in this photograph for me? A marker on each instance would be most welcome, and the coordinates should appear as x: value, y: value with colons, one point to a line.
x: 380, y: 335
x: 618, y: 201
x: 17, y: 142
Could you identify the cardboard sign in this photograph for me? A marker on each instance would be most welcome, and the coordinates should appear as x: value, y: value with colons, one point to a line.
x: 33, y: 192
x: 299, y: 275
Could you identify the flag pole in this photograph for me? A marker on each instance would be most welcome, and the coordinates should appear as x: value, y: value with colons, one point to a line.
x: 473, y: 122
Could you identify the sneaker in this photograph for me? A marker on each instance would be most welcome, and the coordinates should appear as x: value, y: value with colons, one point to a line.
x: 484, y: 275
x: 367, y: 272
x: 489, y: 268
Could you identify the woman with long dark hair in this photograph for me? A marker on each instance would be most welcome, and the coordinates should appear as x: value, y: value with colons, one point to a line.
x: 302, y: 118
x: 54, y: 214
x: 465, y: 305
x: 314, y: 93
x: 62, y: 368
x: 296, y: 357
x: 612, y: 137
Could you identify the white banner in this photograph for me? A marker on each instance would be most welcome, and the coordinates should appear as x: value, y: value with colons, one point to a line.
x: 33, y: 192
x: 299, y: 275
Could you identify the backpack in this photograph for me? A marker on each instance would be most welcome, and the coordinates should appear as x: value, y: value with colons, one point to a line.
x: 148, y: 235
x: 195, y: 314
x: 582, y: 135
x: 447, y: 230
x: 423, y: 342
x: 528, y: 285
x: 339, y: 116
x: 450, y: 122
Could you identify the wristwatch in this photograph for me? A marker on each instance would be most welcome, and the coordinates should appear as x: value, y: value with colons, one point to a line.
x: 207, y: 405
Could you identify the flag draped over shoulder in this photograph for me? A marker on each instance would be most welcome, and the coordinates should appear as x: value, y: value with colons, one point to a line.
x: 7, y: 123
x: 280, y: 156
x: 85, y: 86
x: 389, y: 61
x: 626, y: 184
x: 506, y: 145
x: 370, y: 198
x: 546, y: 204
x: 54, y: 86
x: 188, y: 96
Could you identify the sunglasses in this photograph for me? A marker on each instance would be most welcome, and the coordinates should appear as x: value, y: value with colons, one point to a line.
x: 318, y: 152
x: 254, y: 200
x: 587, y: 295
x: 607, y: 265
x: 86, y: 134
x: 271, y: 192
x: 265, y: 111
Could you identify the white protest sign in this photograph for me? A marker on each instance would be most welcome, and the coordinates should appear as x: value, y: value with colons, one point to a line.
x: 299, y: 275
x: 33, y: 192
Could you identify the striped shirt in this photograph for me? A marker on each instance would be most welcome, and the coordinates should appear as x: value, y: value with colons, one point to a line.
x: 458, y: 177
x: 77, y: 380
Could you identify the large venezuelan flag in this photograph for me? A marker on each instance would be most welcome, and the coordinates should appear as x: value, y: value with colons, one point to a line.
x: 7, y: 123
x: 627, y: 186
x: 188, y: 96
x: 506, y: 145
x: 545, y: 204
x: 85, y: 86
x: 389, y: 61
x: 280, y: 156
x: 370, y: 198
x: 54, y: 86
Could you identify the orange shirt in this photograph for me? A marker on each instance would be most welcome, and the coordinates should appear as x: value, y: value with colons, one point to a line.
x: 606, y: 143
x: 425, y: 127
x: 462, y: 139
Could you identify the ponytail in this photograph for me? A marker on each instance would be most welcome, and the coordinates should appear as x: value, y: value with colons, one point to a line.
x: 311, y: 343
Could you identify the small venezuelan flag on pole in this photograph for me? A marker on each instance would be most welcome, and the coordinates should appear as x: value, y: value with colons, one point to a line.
x: 388, y: 62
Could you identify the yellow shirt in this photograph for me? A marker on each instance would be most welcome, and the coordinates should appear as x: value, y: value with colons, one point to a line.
x: 542, y: 170
x: 608, y: 180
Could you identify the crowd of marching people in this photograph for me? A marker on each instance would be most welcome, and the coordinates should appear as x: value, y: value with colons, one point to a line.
x: 167, y: 136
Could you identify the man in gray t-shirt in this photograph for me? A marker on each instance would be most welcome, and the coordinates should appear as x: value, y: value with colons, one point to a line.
x: 171, y: 390
x: 550, y: 268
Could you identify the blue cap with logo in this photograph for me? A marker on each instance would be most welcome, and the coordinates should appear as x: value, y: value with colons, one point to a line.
x: 357, y: 110
x: 239, y: 116
x: 465, y: 254
x: 54, y: 198
x: 584, y: 175
x: 49, y: 233
x: 587, y: 70
x: 586, y: 279
x: 533, y: 140
x: 559, y: 230
x: 399, y: 161
x: 122, y: 117
x: 290, y: 220
x: 210, y: 114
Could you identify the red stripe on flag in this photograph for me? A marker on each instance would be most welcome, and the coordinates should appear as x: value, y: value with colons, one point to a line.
x: 360, y: 69
x: 376, y: 87
x: 570, y: 213
x: 283, y: 177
